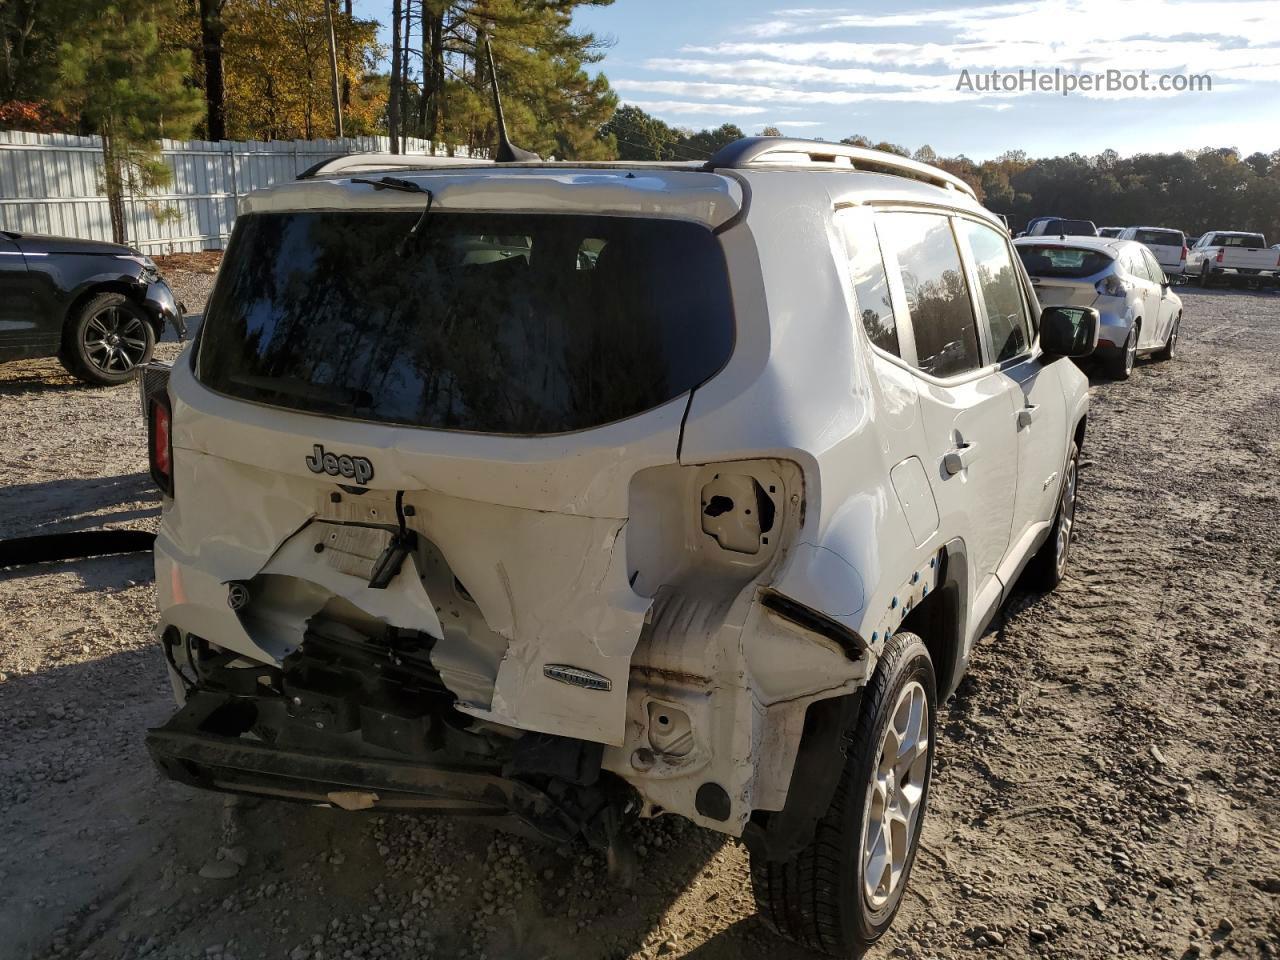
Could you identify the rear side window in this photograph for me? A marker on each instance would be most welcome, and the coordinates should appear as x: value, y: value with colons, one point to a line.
x: 1001, y: 292
x: 495, y: 323
x: 946, y: 332
x: 1154, y: 270
x: 868, y: 279
x: 1159, y: 238
x: 1069, y: 262
x: 1136, y: 265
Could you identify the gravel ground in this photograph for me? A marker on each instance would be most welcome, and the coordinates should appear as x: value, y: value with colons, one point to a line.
x: 1107, y: 781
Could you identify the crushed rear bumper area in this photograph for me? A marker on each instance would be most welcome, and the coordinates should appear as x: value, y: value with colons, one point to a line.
x: 197, y: 747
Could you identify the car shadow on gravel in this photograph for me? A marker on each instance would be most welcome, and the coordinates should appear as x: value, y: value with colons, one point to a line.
x: 54, y: 380
x: 69, y: 504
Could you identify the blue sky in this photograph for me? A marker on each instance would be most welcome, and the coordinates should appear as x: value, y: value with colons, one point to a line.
x: 890, y: 71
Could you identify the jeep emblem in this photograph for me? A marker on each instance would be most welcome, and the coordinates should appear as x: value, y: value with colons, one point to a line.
x: 353, y: 468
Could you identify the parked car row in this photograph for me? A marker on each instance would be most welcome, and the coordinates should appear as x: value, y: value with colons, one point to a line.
x: 1217, y: 256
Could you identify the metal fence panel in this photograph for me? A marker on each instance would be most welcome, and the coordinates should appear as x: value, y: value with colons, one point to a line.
x: 51, y: 183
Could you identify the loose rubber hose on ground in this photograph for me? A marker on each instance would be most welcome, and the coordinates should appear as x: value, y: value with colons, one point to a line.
x: 51, y: 547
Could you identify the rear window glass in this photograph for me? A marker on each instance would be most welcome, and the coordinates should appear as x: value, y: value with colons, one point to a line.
x: 1048, y: 261
x: 1071, y: 228
x: 1239, y: 240
x: 1159, y: 238
x: 495, y: 323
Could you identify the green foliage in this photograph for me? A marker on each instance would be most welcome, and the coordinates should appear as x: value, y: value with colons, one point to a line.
x: 640, y: 136
x: 1194, y: 191
x: 123, y: 84
x: 552, y: 106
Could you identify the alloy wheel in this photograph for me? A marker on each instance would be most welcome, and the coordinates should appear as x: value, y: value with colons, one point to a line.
x: 114, y: 340
x: 894, y: 797
x: 1130, y: 352
x: 1066, y: 519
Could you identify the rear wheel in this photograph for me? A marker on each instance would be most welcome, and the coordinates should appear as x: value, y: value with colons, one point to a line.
x: 107, y: 339
x: 1166, y: 352
x: 1049, y: 566
x: 1120, y: 366
x: 840, y: 894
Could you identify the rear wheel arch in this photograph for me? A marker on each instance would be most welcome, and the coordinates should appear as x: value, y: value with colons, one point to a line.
x: 1079, y: 432
x: 940, y: 619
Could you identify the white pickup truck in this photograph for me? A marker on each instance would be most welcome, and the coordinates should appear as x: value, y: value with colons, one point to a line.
x: 1230, y: 256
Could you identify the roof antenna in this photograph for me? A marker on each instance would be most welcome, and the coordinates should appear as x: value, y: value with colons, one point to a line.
x: 507, y: 152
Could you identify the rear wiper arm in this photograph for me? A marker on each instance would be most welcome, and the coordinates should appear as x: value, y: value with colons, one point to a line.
x: 393, y: 183
x: 408, y: 186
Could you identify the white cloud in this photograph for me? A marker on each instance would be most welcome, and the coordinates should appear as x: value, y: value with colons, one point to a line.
x: 697, y: 109
x: 1239, y: 44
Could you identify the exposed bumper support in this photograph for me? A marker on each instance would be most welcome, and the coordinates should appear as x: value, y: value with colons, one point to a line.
x: 186, y: 750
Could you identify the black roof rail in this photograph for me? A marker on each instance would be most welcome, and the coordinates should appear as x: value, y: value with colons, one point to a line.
x: 750, y: 150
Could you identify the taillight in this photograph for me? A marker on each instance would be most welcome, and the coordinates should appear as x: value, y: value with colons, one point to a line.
x: 1183, y: 256
x: 1111, y: 286
x: 160, y: 442
x: 1219, y: 256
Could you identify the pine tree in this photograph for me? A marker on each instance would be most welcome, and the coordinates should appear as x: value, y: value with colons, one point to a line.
x: 131, y: 90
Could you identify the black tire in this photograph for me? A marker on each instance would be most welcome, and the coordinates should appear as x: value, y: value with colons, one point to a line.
x: 1166, y: 352
x: 107, y: 339
x: 1048, y: 567
x: 1120, y: 366
x: 818, y: 899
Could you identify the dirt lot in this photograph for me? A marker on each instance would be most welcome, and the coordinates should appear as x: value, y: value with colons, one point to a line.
x: 1108, y: 778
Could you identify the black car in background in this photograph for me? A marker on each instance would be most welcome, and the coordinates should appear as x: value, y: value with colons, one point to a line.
x: 98, y: 307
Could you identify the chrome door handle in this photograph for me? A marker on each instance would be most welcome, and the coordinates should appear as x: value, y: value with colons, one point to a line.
x: 1028, y: 414
x: 961, y: 458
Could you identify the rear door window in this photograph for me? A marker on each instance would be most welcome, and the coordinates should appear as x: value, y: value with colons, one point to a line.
x: 1154, y: 270
x: 1001, y: 293
x: 868, y: 279
x: 496, y: 323
x: 946, y: 331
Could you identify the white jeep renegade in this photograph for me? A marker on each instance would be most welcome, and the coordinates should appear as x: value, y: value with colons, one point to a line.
x: 570, y: 492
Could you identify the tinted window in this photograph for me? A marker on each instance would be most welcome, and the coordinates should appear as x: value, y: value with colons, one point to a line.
x: 937, y: 294
x: 1239, y: 240
x: 1049, y: 261
x: 499, y: 323
x: 1159, y: 238
x: 870, y: 284
x: 999, y: 287
x: 1070, y: 228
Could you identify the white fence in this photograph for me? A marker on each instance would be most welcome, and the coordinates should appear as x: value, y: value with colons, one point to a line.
x: 52, y: 184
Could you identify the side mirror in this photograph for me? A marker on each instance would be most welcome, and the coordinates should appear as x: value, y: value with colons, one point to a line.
x: 1068, y: 331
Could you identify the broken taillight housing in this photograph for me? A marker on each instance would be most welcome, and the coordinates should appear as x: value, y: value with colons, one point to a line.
x: 1218, y: 258
x: 160, y: 442
x: 1111, y: 286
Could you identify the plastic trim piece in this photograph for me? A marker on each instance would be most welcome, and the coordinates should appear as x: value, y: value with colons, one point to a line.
x: 850, y: 642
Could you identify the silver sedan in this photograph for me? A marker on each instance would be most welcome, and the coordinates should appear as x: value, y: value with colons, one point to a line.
x: 1120, y: 279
